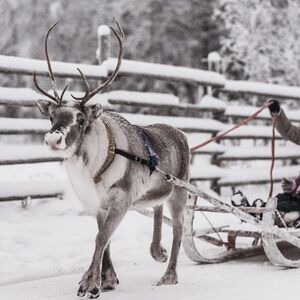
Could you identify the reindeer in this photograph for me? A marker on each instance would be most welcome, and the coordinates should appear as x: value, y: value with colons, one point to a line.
x: 106, y: 161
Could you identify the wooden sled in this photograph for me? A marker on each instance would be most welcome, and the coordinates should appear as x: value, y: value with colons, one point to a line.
x: 265, y: 237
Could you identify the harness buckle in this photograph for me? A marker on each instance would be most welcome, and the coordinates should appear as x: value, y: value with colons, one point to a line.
x: 138, y: 159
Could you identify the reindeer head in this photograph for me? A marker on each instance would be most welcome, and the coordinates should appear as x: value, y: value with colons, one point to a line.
x: 71, y: 119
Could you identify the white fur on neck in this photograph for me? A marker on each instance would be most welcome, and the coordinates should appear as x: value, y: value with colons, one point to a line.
x: 95, y: 196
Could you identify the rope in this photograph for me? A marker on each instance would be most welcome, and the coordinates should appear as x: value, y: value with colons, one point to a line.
x: 183, y: 184
x: 273, y: 157
x: 243, y: 122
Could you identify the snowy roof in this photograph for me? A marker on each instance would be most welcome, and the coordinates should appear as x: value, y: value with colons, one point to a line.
x: 167, y: 72
x: 14, y: 64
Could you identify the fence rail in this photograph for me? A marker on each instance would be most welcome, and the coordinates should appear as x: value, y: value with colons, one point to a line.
x: 218, y: 118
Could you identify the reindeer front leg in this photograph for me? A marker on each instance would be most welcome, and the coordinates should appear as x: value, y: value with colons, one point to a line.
x: 90, y: 282
x: 108, y: 274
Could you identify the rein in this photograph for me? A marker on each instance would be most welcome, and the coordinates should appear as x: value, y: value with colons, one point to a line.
x: 244, y: 122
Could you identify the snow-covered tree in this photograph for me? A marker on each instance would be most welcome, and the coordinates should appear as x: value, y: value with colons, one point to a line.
x: 263, y: 40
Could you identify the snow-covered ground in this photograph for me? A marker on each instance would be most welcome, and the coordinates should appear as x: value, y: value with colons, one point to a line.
x: 45, y: 248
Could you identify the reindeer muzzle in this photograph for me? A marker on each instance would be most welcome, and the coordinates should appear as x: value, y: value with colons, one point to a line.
x: 55, y: 140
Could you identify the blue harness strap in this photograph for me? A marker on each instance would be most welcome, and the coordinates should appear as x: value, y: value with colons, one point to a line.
x: 152, y: 156
x: 151, y: 162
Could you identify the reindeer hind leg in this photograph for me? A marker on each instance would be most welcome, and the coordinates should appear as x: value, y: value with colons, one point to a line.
x: 158, y: 252
x: 176, y: 204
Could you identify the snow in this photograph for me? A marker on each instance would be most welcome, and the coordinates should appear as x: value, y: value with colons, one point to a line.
x: 196, y: 124
x: 26, y: 96
x: 103, y: 30
x: 268, y: 89
x: 251, y: 131
x: 132, y: 67
x: 25, y: 125
x: 214, y: 57
x: 207, y: 172
x: 28, y: 65
x: 13, y: 152
x: 209, y: 101
x: 248, y: 175
x: 153, y: 98
x: 45, y: 249
x: 195, y: 139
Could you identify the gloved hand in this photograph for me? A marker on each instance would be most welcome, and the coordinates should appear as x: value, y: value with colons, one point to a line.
x: 274, y: 108
x: 289, y: 185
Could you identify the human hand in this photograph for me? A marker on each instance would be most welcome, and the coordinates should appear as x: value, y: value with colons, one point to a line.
x: 274, y: 106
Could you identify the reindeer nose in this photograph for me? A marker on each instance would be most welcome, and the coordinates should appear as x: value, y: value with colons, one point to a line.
x: 54, y: 139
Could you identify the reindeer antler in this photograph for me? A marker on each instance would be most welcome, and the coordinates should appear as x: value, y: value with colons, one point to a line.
x: 58, y: 99
x: 89, y: 94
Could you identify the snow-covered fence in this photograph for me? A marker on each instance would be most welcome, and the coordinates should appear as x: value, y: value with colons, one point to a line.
x: 218, y: 119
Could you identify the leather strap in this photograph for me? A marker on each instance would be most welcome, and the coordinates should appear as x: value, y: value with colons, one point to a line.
x: 151, y: 163
x: 109, y: 156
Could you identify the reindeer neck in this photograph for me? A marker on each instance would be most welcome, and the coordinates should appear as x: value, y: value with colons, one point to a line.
x: 95, y: 146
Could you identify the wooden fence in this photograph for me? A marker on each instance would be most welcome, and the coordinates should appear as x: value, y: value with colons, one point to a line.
x: 249, y: 144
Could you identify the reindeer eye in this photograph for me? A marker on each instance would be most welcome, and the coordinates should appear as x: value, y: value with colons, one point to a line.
x: 80, y: 121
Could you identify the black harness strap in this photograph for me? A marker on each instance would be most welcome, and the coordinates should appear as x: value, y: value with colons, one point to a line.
x: 152, y: 162
x: 132, y: 157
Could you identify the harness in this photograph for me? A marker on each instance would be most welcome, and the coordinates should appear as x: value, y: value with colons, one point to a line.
x: 151, y: 162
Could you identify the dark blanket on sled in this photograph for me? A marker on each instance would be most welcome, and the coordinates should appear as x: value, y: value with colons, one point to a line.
x: 288, y: 202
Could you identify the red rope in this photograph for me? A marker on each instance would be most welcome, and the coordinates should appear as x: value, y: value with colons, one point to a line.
x: 243, y: 122
x: 273, y: 157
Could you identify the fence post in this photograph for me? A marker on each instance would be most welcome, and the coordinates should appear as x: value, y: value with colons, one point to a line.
x: 214, y: 61
x: 104, y: 37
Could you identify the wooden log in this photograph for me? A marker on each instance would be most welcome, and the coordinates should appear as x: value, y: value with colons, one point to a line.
x: 254, y: 210
x: 185, y: 107
x: 29, y: 160
x: 30, y: 197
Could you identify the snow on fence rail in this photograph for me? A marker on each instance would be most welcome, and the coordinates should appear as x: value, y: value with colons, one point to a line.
x: 220, y: 176
x: 262, y: 89
x: 26, y: 66
x: 166, y: 72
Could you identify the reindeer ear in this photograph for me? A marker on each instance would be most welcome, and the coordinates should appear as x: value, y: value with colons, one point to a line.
x: 44, y: 105
x: 95, y: 111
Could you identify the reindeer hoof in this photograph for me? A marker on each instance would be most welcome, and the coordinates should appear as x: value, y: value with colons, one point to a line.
x: 168, y: 279
x: 81, y: 292
x: 109, y: 281
x: 93, y: 294
x: 159, y: 254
